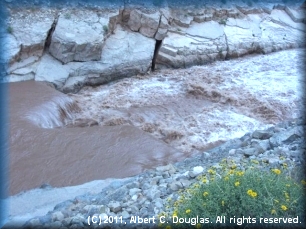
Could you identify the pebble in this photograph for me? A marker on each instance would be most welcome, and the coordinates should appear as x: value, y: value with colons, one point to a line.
x: 146, y: 194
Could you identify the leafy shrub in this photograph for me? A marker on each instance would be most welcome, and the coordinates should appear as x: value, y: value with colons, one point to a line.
x: 230, y: 192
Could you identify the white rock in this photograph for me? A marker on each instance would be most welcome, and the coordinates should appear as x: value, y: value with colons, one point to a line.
x: 51, y: 70
x: 197, y: 170
x: 79, y: 36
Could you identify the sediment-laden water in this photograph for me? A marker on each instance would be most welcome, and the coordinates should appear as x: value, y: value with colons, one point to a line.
x: 125, y: 127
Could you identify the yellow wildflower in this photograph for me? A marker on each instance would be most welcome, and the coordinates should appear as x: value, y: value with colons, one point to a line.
x: 254, y: 194
x: 204, y: 180
x: 237, y: 183
x: 188, y: 211
x: 251, y: 193
x: 273, y: 212
x: 197, y: 185
x: 211, y: 171
x: 226, y: 178
x: 286, y: 195
x: 198, y: 225
x: 222, y: 203
x: 284, y: 208
x: 239, y: 173
x: 287, y: 185
x: 205, y: 194
x: 276, y: 171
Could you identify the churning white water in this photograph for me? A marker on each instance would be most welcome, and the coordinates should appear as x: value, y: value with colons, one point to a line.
x: 191, y: 108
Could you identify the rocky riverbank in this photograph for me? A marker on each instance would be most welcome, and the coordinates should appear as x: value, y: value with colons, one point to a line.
x: 129, y: 39
x: 147, y: 194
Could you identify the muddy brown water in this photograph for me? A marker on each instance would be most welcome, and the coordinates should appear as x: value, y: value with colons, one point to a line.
x: 71, y: 156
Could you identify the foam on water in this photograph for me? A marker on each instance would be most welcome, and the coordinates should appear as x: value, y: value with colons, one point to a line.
x: 191, y: 108
x: 55, y: 113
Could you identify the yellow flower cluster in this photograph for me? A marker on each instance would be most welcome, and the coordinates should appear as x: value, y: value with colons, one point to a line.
x: 276, y: 171
x: 237, y: 183
x: 188, y: 211
x: 239, y: 173
x: 251, y: 193
x: 284, y: 207
x: 255, y: 161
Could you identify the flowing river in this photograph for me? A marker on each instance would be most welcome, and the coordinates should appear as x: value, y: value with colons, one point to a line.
x: 122, y: 128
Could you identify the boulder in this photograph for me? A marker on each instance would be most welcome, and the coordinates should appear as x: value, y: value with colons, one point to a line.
x: 134, y: 21
x: 79, y: 35
x: 296, y: 15
x: 146, y: 23
x: 181, y: 17
x: 286, y: 137
x: 28, y: 33
x: 198, y: 44
x: 262, y: 134
x: 124, y: 54
x: 46, y: 71
x: 242, y: 36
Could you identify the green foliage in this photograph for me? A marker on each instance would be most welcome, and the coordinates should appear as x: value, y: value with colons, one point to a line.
x: 105, y: 29
x: 226, y: 191
x: 9, y: 30
x: 222, y: 21
x: 67, y: 16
